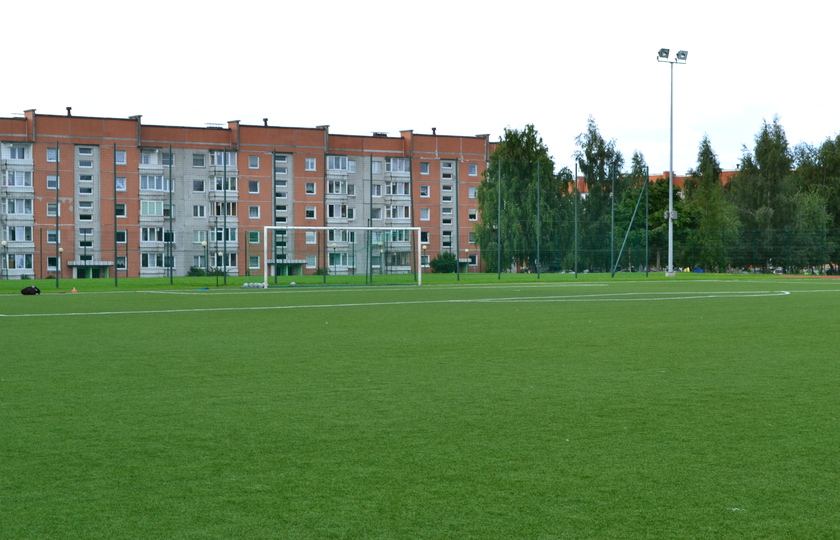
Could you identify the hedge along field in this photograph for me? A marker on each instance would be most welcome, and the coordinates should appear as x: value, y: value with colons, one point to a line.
x: 600, y: 409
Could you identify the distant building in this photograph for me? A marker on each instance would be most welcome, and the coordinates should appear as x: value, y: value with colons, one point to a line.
x: 88, y: 196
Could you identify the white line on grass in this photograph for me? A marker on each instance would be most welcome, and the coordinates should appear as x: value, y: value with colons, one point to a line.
x: 617, y: 297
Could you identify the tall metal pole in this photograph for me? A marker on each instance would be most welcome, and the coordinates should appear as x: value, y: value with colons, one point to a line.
x: 538, y: 219
x: 224, y: 215
x: 576, y: 218
x: 170, y: 247
x: 670, y: 272
x: 499, y: 225
x: 612, y: 219
x: 57, y: 233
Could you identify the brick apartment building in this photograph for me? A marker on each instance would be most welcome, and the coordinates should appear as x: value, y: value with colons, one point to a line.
x: 88, y: 197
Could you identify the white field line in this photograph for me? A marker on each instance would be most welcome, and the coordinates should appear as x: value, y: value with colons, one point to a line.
x: 618, y: 297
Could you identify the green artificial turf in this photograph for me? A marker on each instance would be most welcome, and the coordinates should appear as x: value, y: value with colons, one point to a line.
x: 591, y: 408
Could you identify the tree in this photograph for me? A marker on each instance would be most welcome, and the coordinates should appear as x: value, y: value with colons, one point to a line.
x: 524, y: 170
x: 763, y: 191
x: 818, y: 171
x: 715, y: 217
x: 601, y: 165
x: 444, y: 263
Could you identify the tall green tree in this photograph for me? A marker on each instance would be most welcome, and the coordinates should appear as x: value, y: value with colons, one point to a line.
x: 601, y: 165
x: 714, y: 216
x: 818, y: 171
x: 518, y: 186
x: 764, y: 190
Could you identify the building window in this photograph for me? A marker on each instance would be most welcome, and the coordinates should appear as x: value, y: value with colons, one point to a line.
x: 198, y: 160
x: 16, y: 261
x: 151, y: 260
x: 151, y: 208
x: 19, y: 207
x: 151, y: 234
x: 424, y: 237
x: 311, y: 237
x: 376, y: 167
x: 221, y: 208
x: 199, y: 210
x: 199, y: 236
x: 53, y: 209
x: 253, y: 262
x: 425, y: 214
x: 472, y: 169
x: 148, y: 157
x: 120, y: 157
x: 85, y: 164
x: 20, y: 233
x: 397, y: 165
x: 424, y: 167
x: 119, y: 183
x: 253, y: 186
x: 253, y: 162
x: 254, y: 212
x: 120, y: 262
x: 222, y: 158
x: 119, y: 209
x: 336, y: 187
x: 446, y: 187
x: 337, y: 163
x: 376, y: 213
x: 376, y: 190
x: 351, y: 166
x: 473, y: 215
x: 85, y: 205
x: 311, y: 164
x: 311, y: 261
x: 85, y: 178
x: 168, y: 159
x: 198, y: 186
x: 53, y: 181
x: 282, y: 194
x: 253, y: 237
x: 472, y: 192
x: 53, y: 155
x: 121, y: 237
x: 18, y: 179
x: 226, y: 185
x: 311, y: 212
x: 446, y: 210
x: 471, y: 239
x: 424, y: 191
x: 154, y: 182
x: 310, y: 188
x: 446, y: 165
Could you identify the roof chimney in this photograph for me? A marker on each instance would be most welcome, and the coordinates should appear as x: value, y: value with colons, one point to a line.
x: 265, y: 122
x: 434, y: 131
x: 68, y: 111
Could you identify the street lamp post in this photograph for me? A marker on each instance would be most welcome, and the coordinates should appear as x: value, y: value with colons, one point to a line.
x: 335, y: 263
x: 424, y: 257
x: 219, y: 255
x: 206, y: 262
x: 467, y: 268
x: 6, y: 258
x: 663, y: 56
x: 58, y: 265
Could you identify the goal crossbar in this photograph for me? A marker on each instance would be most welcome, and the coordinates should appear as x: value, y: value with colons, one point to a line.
x: 268, y: 239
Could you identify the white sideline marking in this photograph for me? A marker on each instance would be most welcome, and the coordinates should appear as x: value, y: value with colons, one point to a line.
x: 607, y: 297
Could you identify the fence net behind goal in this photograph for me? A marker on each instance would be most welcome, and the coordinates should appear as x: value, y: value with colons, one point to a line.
x: 350, y: 255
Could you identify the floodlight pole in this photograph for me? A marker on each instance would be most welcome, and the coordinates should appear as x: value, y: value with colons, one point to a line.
x: 672, y: 215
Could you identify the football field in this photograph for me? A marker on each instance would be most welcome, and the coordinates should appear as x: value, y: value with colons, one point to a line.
x: 682, y: 408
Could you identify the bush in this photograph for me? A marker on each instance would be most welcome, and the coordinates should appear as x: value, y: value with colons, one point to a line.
x: 195, y: 271
x: 444, y: 263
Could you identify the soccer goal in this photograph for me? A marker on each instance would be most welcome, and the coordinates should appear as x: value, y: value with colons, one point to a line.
x: 363, y: 255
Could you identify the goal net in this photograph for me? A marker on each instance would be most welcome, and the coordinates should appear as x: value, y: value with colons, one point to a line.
x: 351, y: 255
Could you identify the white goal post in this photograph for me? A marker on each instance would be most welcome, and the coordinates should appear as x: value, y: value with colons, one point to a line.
x: 320, y: 246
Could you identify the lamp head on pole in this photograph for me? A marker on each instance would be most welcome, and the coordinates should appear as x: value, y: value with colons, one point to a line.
x: 682, y: 55
x: 663, y: 54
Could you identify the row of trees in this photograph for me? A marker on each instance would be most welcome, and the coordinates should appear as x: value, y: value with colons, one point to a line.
x: 782, y: 206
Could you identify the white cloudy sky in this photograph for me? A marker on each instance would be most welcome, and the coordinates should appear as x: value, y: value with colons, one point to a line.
x: 463, y: 66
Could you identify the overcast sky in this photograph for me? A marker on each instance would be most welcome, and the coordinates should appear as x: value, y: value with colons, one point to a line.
x: 465, y: 67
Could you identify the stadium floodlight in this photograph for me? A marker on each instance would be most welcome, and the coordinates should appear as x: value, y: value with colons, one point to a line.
x: 671, y: 215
